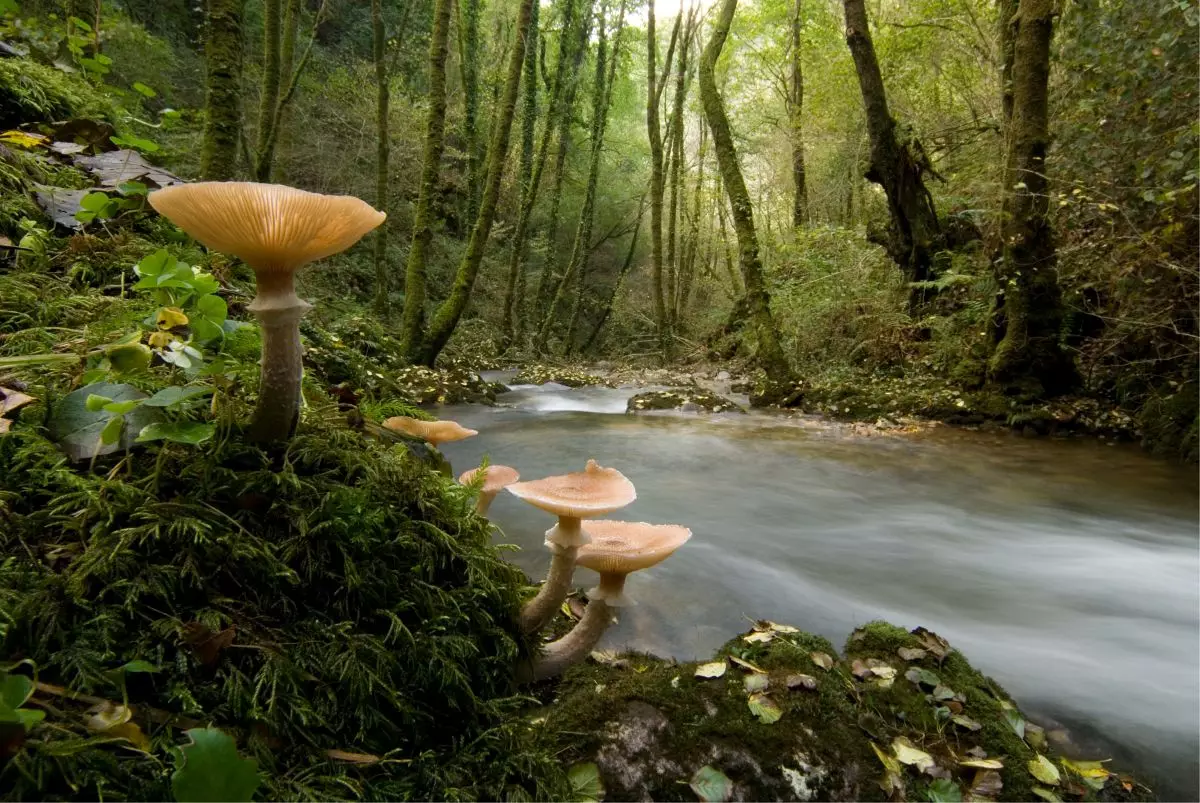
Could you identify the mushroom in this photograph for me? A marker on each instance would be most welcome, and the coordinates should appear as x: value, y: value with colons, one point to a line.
x: 495, y: 479
x: 616, y: 549
x: 433, y: 432
x: 276, y: 230
x: 572, y: 497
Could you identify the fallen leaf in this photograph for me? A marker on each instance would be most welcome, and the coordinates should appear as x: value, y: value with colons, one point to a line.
x: 932, y: 642
x: 764, y: 708
x: 944, y: 790
x: 352, y: 758
x: 711, y: 785
x: 889, y: 763
x: 881, y: 669
x: 714, y: 670
x: 801, y: 681
x: 207, y: 644
x: 966, y: 722
x: 943, y: 693
x: 860, y: 670
x: 1035, y: 735
x: 747, y: 665
x: 1087, y: 769
x: 923, y: 677
x: 987, y: 785
x: 585, y: 782
x: 759, y: 637
x: 778, y: 628
x: 977, y: 752
x: 983, y: 763
x: 1014, y: 719
x: 605, y: 657
x: 12, y: 399
x: 756, y: 683
x: 1047, y: 794
x: 1044, y: 770
x: 822, y: 660
x: 908, y: 753
x: 911, y: 653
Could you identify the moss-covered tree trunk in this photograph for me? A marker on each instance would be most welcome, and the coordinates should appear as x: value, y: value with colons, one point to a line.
x: 448, y: 314
x: 378, y: 42
x: 468, y: 32
x: 607, y: 307
x: 223, y: 95
x: 678, y: 163
x: 896, y: 166
x: 654, y: 131
x: 1028, y: 359
x: 770, y: 354
x: 412, y: 325
x: 796, y: 120
x: 269, y: 92
x: 688, y: 277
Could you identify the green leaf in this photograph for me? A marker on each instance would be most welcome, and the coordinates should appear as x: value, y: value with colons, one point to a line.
x: 943, y: 789
x: 585, y: 783
x: 95, y: 402
x: 14, y: 690
x: 212, y: 307
x: 133, y: 667
x: 1015, y: 721
x: 1047, y: 794
x: 144, y: 90
x: 763, y: 707
x: 923, y: 677
x: 187, y: 432
x: 154, y: 264
x: 121, y: 407
x: 129, y: 358
x: 1044, y: 770
x: 711, y: 785
x: 176, y: 394
x: 77, y: 430
x: 210, y: 769
x: 132, y: 188
x: 8, y: 7
x: 110, y: 433
x: 137, y: 143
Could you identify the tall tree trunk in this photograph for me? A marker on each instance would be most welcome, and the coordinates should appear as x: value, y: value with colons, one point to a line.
x: 654, y: 131
x: 896, y: 166
x: 448, y: 314
x: 469, y: 48
x: 795, y: 117
x: 606, y: 309
x: 1006, y: 11
x: 678, y: 163
x: 378, y: 41
x: 269, y: 99
x: 770, y: 354
x: 689, y: 274
x: 515, y: 289
x: 735, y: 286
x: 412, y: 326
x: 1028, y: 359
x: 223, y: 98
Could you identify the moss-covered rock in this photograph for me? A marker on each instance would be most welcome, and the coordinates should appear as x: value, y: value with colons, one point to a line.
x: 33, y: 92
x: 539, y: 374
x: 783, y: 716
x: 443, y: 386
x: 690, y: 400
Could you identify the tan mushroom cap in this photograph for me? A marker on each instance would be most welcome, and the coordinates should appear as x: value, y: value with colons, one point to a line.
x: 580, y: 494
x: 497, y: 477
x: 435, y: 432
x: 269, y: 226
x: 621, y: 547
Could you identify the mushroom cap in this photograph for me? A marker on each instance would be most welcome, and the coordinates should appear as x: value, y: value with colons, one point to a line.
x: 495, y: 479
x: 621, y: 547
x: 269, y: 226
x: 435, y: 432
x: 580, y: 494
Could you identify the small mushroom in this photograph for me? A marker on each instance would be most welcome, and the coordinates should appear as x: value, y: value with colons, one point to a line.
x: 276, y: 230
x: 617, y: 549
x: 433, y: 432
x: 495, y: 479
x: 572, y: 497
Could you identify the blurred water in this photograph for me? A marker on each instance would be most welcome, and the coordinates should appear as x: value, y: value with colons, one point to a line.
x: 1069, y: 571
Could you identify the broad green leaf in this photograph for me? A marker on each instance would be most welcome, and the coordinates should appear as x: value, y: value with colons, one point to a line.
x: 1015, y: 721
x: 908, y: 753
x: 110, y: 433
x: 711, y: 785
x: 154, y: 264
x: 144, y: 90
x: 923, y: 677
x: 187, y: 432
x: 132, y: 188
x: 95, y: 402
x: 943, y: 789
x: 1044, y: 770
x: 1047, y: 794
x: 121, y: 407
x: 714, y: 670
x: 585, y: 783
x: 212, y: 307
x: 14, y: 690
x: 129, y: 358
x: 763, y: 707
x: 77, y: 430
x: 174, y: 395
x: 210, y: 769
x: 138, y: 666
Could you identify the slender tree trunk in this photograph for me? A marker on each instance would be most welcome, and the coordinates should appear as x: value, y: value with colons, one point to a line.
x: 448, y: 314
x: 653, y: 94
x: 378, y: 41
x: 770, y: 354
x: 515, y: 289
x: 689, y: 274
x: 269, y: 100
x: 469, y: 40
x: 721, y: 203
x: 606, y: 309
x: 675, y: 209
x: 223, y: 99
x: 896, y: 166
x: 795, y: 117
x: 1028, y: 359
x: 412, y: 326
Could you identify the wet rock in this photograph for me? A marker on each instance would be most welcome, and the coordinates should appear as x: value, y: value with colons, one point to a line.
x: 722, y: 376
x: 688, y: 400
x: 542, y: 374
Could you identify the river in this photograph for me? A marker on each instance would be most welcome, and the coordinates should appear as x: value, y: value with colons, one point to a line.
x: 1067, y: 570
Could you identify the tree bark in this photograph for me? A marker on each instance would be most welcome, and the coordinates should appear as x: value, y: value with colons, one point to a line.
x: 223, y: 98
x: 469, y: 40
x: 411, y: 332
x: 795, y: 117
x: 895, y: 166
x: 378, y: 42
x: 1028, y: 359
x: 653, y: 93
x: 269, y: 100
x: 770, y: 356
x: 451, y: 310
x: 688, y: 276
x: 678, y: 163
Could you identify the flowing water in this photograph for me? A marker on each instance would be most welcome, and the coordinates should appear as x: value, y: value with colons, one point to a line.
x: 1069, y: 571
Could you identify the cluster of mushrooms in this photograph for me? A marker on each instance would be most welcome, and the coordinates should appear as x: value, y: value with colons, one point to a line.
x: 277, y: 230
x: 613, y: 549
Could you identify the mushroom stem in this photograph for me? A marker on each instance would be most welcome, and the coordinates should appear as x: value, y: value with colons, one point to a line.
x: 484, y: 502
x: 539, y: 610
x: 573, y: 647
x: 568, y: 532
x: 279, y: 312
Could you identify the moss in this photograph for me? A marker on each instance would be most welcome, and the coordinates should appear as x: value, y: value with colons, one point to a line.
x: 33, y: 92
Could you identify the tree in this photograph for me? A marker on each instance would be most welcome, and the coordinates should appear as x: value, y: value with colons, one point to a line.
x: 677, y: 164
x: 606, y: 308
x: 378, y: 42
x: 223, y: 98
x: 795, y: 107
x: 654, y: 87
x: 448, y: 314
x: 468, y: 29
x: 769, y: 354
x: 897, y: 165
x: 435, y: 142
x: 1027, y: 320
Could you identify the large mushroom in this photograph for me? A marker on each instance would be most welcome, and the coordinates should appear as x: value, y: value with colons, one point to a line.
x: 495, y: 479
x: 432, y: 432
x: 595, y: 491
x: 617, y: 548
x: 276, y: 230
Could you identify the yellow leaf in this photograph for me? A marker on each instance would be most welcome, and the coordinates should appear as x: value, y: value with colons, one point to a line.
x: 889, y: 763
x: 1044, y: 770
x: 759, y: 637
x: 908, y: 753
x: 22, y: 139
x: 1087, y: 769
x: 160, y: 340
x: 171, y: 317
x: 822, y: 660
x: 714, y: 670
x: 984, y: 763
